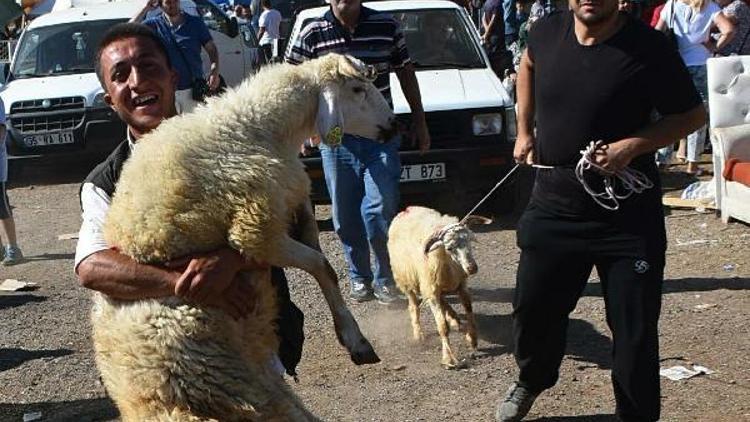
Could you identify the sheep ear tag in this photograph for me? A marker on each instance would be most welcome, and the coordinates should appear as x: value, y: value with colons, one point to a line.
x: 330, y: 120
x: 334, y: 136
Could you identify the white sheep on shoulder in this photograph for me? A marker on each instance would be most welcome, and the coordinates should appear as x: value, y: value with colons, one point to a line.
x: 228, y: 173
x: 431, y: 256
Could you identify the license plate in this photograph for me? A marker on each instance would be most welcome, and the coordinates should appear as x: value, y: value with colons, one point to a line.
x: 418, y: 172
x: 49, y: 139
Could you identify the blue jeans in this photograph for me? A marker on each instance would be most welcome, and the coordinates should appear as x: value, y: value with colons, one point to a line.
x: 362, y: 178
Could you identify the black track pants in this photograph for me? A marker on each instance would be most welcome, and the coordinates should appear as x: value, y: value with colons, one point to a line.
x: 557, y: 257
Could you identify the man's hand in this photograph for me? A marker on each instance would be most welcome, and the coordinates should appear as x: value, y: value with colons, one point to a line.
x: 523, y: 151
x: 421, y: 135
x: 214, y: 79
x: 614, y: 157
x: 214, y: 279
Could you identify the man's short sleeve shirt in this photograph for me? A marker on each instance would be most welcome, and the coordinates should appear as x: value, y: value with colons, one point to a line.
x: 607, y: 91
x: 183, y: 43
x: 377, y: 40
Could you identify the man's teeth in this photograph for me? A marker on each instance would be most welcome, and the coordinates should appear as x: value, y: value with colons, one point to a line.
x: 143, y: 99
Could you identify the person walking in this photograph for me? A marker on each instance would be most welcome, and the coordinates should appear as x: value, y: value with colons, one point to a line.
x: 184, y: 36
x: 269, y: 23
x: 581, y: 79
x: 10, y: 253
x: 692, y: 22
x: 131, y: 64
x: 362, y: 174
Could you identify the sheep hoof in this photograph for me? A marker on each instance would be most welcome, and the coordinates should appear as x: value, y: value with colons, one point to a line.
x: 364, y: 354
x: 459, y: 364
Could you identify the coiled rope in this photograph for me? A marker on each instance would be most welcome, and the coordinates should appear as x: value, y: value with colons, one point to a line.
x: 631, y: 180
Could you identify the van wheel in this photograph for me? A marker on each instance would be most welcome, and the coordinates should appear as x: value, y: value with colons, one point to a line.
x: 15, y: 170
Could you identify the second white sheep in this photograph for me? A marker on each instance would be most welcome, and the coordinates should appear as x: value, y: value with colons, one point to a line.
x: 431, y: 256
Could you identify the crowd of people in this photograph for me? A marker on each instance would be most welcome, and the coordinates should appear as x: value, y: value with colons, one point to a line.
x: 571, y: 62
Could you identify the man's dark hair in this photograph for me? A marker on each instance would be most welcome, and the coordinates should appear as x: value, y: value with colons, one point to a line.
x: 122, y: 31
x: 266, y: 4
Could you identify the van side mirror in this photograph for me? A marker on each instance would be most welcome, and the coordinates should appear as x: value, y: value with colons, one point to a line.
x: 6, y: 71
x: 234, y: 28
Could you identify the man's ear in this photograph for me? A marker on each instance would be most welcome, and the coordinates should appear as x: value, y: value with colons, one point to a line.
x: 108, y: 100
x: 330, y: 119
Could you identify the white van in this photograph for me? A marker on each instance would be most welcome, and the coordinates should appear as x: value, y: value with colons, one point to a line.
x: 53, y: 100
x: 469, y: 114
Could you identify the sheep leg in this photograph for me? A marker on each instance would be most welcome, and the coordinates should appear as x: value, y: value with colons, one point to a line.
x: 448, y: 360
x: 450, y: 315
x: 471, y: 325
x: 307, y: 227
x: 294, y: 254
x: 416, y: 328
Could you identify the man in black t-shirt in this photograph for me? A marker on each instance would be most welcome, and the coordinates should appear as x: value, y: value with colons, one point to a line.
x: 587, y: 75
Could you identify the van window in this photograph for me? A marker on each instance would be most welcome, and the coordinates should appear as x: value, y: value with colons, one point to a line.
x: 59, y: 49
x: 439, y: 38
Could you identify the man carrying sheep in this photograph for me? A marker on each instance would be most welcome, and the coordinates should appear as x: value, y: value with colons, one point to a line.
x: 580, y: 87
x: 139, y: 84
x: 362, y: 175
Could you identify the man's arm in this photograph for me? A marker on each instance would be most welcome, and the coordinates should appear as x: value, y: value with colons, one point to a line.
x: 523, y: 152
x: 410, y: 87
x: 213, y: 57
x: 209, y: 279
x: 142, y: 14
x: 119, y: 276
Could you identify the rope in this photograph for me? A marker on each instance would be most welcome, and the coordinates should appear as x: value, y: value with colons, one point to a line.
x: 633, y: 181
x: 463, y: 220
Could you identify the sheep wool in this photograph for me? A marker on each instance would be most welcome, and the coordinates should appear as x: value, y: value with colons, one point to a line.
x: 228, y: 173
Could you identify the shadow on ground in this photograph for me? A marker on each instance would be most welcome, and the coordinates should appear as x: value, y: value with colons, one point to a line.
x: 50, y: 257
x: 10, y: 358
x: 585, y: 343
x: 101, y: 409
x: 13, y: 300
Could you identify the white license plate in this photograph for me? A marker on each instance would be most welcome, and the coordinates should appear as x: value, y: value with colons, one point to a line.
x: 427, y: 171
x: 49, y: 139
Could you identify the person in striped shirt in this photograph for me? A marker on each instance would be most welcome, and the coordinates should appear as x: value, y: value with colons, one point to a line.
x: 362, y: 174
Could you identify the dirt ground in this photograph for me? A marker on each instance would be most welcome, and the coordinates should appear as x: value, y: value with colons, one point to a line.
x: 46, y: 360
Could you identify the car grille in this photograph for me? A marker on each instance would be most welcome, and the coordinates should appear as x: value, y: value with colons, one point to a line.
x: 447, y: 129
x: 29, y: 117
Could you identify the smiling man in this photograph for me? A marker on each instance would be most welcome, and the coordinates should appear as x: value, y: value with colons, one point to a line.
x: 139, y: 84
x: 594, y: 74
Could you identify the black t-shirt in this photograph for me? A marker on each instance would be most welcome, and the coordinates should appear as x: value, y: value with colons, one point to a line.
x: 606, y: 91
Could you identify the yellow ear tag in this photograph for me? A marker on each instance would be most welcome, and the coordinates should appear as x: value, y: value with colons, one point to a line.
x: 334, y: 136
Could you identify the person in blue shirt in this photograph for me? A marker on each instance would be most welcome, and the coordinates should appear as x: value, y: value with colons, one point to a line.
x: 184, y: 35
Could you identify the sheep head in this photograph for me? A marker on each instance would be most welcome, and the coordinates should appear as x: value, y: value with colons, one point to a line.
x: 456, y: 239
x: 350, y: 103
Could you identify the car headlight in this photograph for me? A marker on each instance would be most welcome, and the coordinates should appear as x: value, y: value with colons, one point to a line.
x: 99, y: 101
x: 487, y: 124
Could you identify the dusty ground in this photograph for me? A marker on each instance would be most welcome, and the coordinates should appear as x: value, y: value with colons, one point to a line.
x: 46, y: 362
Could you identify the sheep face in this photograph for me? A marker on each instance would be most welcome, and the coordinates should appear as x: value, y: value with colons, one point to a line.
x: 351, y: 104
x: 456, y: 240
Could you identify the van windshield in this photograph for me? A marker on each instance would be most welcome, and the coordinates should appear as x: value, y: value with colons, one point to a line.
x: 438, y: 39
x: 59, y: 49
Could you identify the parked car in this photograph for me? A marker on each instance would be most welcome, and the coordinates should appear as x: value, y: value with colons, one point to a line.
x: 53, y: 100
x: 470, y: 116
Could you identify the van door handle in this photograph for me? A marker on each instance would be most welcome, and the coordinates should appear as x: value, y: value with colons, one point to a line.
x: 237, y: 52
